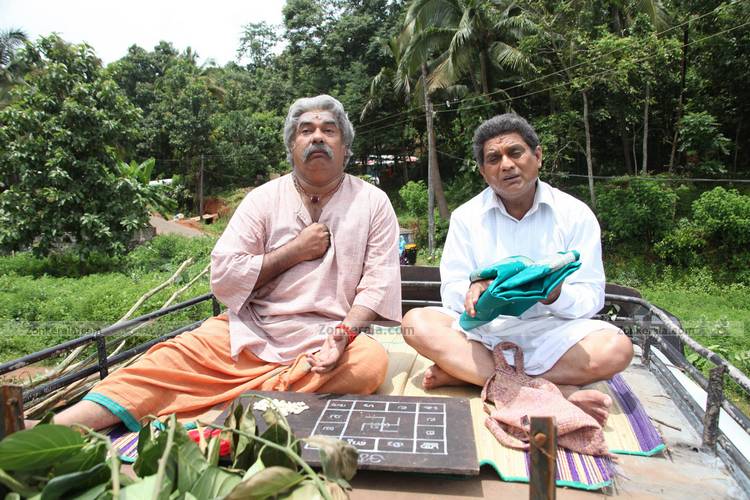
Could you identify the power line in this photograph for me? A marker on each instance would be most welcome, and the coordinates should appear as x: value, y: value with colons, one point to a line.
x: 369, y: 132
x: 568, y: 68
x: 644, y: 178
x: 543, y: 77
x: 604, y: 72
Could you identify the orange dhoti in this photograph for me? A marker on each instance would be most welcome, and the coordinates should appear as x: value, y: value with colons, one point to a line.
x: 193, y: 372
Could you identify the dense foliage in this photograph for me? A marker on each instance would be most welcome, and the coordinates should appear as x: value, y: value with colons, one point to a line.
x: 59, y: 141
x: 614, y: 88
x: 638, y: 91
x: 717, y: 234
x: 45, y: 301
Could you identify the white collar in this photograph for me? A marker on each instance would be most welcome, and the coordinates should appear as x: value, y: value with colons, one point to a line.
x: 490, y: 200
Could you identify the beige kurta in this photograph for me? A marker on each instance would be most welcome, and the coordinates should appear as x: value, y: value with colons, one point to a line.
x: 292, y: 313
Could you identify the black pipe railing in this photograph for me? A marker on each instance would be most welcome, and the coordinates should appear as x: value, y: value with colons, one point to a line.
x: 101, y: 366
x: 95, y: 336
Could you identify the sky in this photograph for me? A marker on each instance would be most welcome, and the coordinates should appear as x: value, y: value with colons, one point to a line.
x: 211, y: 27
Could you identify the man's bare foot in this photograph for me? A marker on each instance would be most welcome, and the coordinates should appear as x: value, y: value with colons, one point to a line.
x: 593, y: 402
x: 435, y: 377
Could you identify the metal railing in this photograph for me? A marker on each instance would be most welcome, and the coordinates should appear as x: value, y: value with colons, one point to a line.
x: 99, y: 338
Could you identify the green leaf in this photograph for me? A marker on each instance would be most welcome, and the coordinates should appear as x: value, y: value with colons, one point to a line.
x: 256, y: 467
x: 39, y: 447
x: 94, y: 493
x: 149, y: 453
x: 266, y: 483
x: 271, y: 456
x: 16, y: 485
x: 145, y: 489
x: 190, y: 461
x: 212, y: 451
x: 233, y: 422
x: 46, y: 419
x: 61, y: 486
x: 145, y: 437
x: 307, y: 490
x: 339, y: 459
x: 245, y: 453
x: 214, y: 482
x: 91, y: 454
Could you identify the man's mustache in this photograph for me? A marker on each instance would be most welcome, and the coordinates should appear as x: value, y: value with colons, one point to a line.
x: 315, y: 148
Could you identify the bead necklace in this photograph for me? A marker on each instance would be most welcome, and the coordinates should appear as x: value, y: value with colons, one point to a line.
x: 316, y: 198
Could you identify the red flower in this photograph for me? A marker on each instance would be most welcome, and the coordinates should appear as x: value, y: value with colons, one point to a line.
x: 224, y: 448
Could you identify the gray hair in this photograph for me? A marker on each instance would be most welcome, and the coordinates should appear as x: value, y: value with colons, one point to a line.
x: 323, y: 103
x: 507, y: 123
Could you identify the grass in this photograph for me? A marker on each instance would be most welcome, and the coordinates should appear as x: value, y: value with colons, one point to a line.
x: 715, y: 313
x: 39, y: 307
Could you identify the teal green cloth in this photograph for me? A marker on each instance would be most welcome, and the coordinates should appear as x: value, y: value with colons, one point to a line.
x: 518, y: 283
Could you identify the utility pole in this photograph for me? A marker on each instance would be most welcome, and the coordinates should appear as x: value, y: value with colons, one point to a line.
x: 431, y: 166
x: 200, y: 191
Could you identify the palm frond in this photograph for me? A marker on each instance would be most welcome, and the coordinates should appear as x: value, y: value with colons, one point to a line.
x: 655, y: 10
x: 507, y: 57
x: 426, y: 13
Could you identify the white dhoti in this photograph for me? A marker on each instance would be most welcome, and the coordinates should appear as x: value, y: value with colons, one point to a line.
x: 543, y: 339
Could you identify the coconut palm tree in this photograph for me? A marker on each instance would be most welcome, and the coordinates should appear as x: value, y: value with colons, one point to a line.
x: 10, y: 40
x: 10, y: 73
x: 473, y: 38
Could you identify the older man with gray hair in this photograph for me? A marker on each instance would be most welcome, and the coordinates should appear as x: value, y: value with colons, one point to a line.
x: 518, y: 214
x: 306, y: 262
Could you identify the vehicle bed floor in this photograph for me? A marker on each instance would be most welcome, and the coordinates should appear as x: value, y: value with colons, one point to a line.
x: 683, y: 472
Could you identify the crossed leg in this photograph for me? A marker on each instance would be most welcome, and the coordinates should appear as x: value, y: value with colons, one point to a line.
x: 458, y: 360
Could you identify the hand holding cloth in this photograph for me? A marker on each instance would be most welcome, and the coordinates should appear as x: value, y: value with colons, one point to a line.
x: 518, y: 283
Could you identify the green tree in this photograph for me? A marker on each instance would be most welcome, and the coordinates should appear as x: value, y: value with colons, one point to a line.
x: 257, y: 43
x: 249, y: 145
x: 60, y: 143
x: 137, y: 75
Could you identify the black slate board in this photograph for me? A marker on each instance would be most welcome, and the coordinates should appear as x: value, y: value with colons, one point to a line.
x: 392, y: 433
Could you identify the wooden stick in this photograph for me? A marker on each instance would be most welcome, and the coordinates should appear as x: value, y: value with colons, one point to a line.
x: 167, y: 303
x: 65, y: 365
x: 11, y: 403
x: 156, y: 290
x: 543, y: 449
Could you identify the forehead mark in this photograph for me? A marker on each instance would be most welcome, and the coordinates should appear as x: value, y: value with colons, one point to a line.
x: 311, y: 117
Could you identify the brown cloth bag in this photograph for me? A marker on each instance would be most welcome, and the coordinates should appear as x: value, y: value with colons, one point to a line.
x: 518, y: 397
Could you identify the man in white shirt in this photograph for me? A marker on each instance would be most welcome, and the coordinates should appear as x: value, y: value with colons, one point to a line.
x: 517, y: 214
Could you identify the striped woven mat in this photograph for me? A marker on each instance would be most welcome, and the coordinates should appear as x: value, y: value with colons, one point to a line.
x: 628, y: 431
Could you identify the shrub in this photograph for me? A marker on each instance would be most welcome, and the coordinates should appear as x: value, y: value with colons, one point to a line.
x: 636, y: 210
x: 414, y: 195
x: 165, y: 252
x: 718, y: 233
x: 703, y: 143
x: 59, y: 144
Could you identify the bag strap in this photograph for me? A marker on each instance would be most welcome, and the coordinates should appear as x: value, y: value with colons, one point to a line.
x: 502, y: 366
